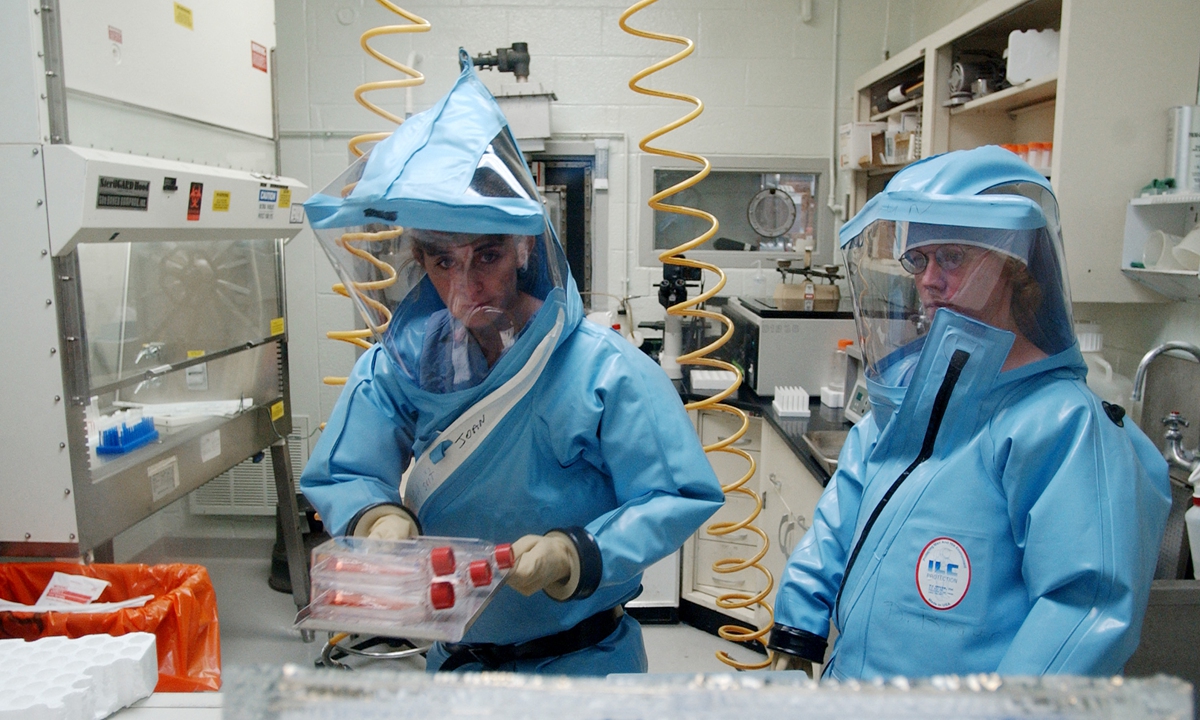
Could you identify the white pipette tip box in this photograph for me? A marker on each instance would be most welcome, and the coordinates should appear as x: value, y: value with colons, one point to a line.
x: 791, y: 401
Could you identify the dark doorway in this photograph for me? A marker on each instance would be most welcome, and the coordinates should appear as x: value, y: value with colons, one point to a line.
x: 567, y: 188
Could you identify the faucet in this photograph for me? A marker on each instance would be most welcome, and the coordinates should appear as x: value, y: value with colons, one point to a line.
x: 1175, y: 453
x: 152, y: 350
x: 1139, y: 380
x: 156, y: 381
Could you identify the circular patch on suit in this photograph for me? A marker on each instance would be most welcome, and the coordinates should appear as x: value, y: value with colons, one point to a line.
x: 943, y: 573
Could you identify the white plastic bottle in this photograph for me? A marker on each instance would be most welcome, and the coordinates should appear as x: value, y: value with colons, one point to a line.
x: 833, y: 393
x: 1101, y: 378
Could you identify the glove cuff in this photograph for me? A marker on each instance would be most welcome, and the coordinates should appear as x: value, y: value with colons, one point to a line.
x: 360, y: 524
x: 801, y: 643
x: 590, y: 565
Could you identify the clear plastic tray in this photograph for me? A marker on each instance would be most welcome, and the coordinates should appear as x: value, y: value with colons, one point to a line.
x: 429, y: 588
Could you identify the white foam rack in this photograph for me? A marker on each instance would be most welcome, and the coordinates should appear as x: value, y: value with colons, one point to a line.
x: 791, y: 401
x: 87, y: 678
x: 711, y: 382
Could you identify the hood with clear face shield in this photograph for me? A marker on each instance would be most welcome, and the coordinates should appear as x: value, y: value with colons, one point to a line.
x: 441, y: 238
x: 973, y: 231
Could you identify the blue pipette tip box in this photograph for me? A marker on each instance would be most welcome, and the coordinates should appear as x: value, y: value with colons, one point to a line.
x: 126, y: 438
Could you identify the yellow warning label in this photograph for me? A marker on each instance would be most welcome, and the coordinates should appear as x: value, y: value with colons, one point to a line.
x: 183, y: 16
x: 195, y: 354
x: 285, y: 197
x: 277, y: 326
x: 221, y: 201
x: 276, y: 411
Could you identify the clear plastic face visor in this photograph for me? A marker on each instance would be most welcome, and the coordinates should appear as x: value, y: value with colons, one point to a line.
x: 901, y: 273
x: 447, y: 306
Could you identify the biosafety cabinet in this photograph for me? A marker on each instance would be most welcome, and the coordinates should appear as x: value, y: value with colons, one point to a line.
x: 134, y: 283
x: 143, y: 300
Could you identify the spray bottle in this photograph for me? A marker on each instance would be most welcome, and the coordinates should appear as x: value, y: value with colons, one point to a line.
x: 1191, y: 519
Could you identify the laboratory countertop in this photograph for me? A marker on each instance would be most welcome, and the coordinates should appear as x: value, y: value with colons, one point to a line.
x: 174, y: 706
x: 791, y: 429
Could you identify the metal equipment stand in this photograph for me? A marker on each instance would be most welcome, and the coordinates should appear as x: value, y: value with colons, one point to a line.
x: 293, y: 539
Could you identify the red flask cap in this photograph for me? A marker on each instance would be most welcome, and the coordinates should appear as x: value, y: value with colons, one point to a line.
x: 442, y: 560
x: 481, y: 573
x: 504, y: 556
x: 441, y: 595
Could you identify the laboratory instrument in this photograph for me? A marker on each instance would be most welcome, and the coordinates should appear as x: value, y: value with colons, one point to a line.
x: 817, y: 291
x: 777, y: 347
x: 857, y: 401
x: 672, y: 290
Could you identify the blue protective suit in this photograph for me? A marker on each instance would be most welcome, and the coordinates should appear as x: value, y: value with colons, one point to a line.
x: 601, y: 441
x: 571, y: 428
x: 1024, y: 544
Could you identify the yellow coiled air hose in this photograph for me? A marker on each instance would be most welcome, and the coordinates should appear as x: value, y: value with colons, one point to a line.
x: 361, y: 338
x: 690, y: 308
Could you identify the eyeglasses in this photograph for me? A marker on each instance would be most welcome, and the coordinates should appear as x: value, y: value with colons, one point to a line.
x: 948, y: 257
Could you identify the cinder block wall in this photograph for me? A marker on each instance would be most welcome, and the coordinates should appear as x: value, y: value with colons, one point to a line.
x: 764, y: 74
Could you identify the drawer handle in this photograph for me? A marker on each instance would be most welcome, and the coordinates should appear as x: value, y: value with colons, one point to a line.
x: 744, y: 440
x: 786, y: 526
x: 728, y: 583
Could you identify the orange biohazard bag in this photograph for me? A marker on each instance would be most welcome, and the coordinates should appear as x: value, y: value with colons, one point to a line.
x: 182, y: 615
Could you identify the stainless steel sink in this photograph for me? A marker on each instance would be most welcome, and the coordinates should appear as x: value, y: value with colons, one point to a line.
x: 826, y: 445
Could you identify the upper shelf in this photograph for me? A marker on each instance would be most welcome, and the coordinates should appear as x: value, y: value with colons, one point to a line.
x: 1030, y: 92
x: 909, y: 105
x: 1167, y: 199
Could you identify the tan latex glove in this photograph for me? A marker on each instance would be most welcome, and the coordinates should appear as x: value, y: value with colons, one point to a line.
x: 785, y: 661
x: 392, y: 527
x: 386, y: 522
x: 547, y: 562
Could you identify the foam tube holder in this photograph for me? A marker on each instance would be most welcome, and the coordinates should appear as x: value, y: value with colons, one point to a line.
x: 60, y: 678
x: 791, y: 401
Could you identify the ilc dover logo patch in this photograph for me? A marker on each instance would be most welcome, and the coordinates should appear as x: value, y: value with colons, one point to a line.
x: 943, y: 573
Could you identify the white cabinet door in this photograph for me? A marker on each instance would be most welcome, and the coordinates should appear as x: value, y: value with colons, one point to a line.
x: 790, y: 494
x: 701, y: 584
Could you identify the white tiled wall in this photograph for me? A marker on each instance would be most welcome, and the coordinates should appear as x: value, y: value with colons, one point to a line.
x: 763, y: 74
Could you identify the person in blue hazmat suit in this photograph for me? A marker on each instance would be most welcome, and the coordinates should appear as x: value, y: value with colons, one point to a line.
x: 990, y: 514
x: 523, y: 423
